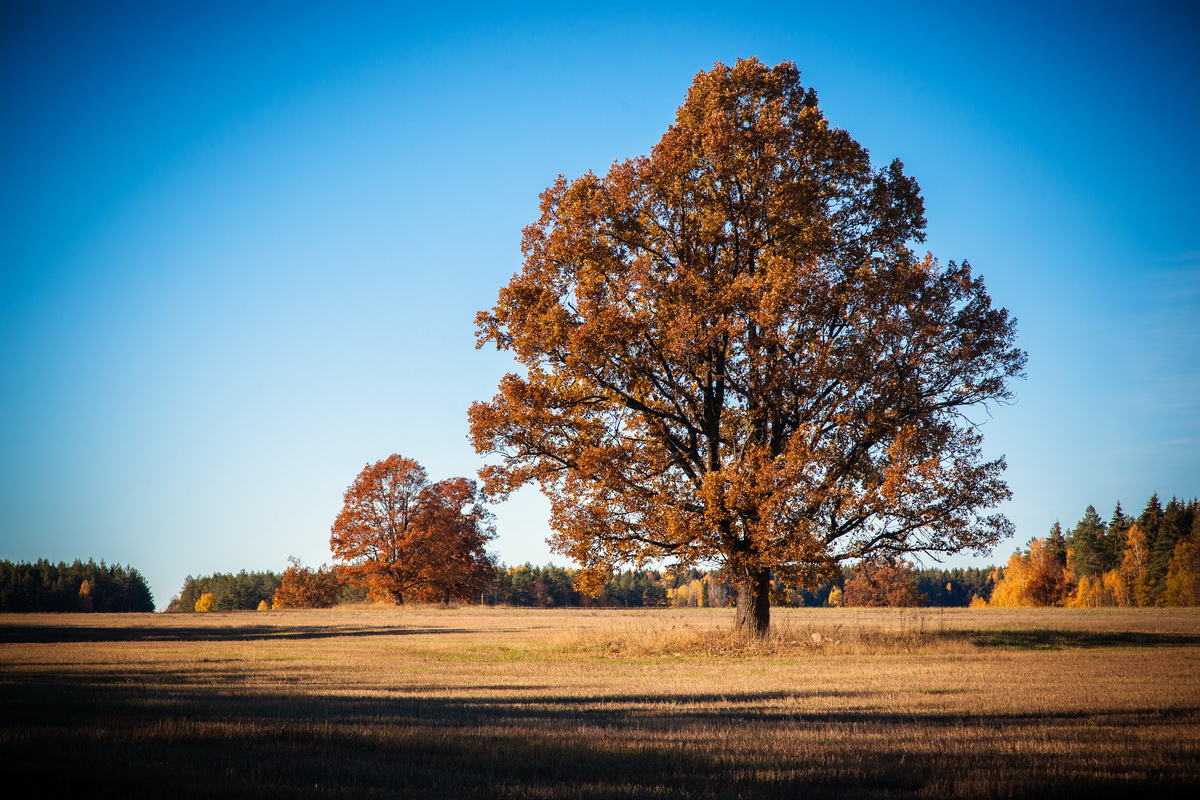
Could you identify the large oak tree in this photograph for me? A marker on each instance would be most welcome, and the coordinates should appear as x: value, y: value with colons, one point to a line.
x: 400, y: 535
x: 732, y: 353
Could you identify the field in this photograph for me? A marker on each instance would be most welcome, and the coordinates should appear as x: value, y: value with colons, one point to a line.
x: 470, y: 702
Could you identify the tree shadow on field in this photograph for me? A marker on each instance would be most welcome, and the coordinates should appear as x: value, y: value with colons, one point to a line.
x: 182, y: 741
x: 56, y: 634
x: 1060, y: 640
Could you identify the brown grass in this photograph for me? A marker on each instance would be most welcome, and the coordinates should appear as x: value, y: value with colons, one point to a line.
x: 426, y: 702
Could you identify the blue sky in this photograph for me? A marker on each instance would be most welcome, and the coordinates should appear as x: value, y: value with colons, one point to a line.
x: 242, y: 251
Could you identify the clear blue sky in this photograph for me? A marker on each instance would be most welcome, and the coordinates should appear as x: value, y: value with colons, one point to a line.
x: 241, y: 250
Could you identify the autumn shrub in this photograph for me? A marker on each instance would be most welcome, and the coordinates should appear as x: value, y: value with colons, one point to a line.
x: 883, y: 583
x: 206, y: 602
x: 304, y: 587
x: 1183, y: 575
x: 1036, y: 578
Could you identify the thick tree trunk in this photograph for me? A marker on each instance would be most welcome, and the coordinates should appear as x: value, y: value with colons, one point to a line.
x: 754, y: 603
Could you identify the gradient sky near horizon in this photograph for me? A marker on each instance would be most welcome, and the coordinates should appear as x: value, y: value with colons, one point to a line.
x: 243, y: 244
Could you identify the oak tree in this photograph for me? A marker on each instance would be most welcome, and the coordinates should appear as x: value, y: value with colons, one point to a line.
x: 730, y: 352
x: 305, y: 587
x: 882, y: 582
x: 400, y: 535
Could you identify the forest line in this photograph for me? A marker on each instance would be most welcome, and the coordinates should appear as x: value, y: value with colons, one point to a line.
x: 1152, y: 559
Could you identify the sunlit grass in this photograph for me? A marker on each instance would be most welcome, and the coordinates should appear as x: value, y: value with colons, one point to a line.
x: 580, y: 703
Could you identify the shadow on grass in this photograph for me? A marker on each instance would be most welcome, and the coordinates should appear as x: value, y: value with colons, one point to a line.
x: 177, y: 741
x: 1059, y: 640
x: 53, y: 634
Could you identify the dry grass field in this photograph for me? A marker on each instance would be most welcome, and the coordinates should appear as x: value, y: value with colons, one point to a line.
x: 469, y: 702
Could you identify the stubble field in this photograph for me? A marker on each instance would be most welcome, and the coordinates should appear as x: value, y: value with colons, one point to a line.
x: 470, y: 702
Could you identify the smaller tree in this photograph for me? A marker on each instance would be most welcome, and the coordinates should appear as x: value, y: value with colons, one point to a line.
x: 1183, y: 574
x: 1087, y: 548
x: 304, y: 587
x: 1033, y: 579
x: 881, y: 582
x: 400, y: 535
x: 1135, y: 565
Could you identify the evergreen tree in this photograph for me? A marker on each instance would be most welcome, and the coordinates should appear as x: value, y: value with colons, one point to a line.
x: 1175, y: 526
x: 1086, y: 549
x: 1056, y: 543
x: 1114, y: 540
x: 1149, y: 583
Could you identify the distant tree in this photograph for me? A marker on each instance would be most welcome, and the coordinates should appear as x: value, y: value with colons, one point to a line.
x: 882, y: 582
x: 1114, y: 540
x: 1135, y: 567
x: 732, y: 353
x: 1033, y: 579
x: 953, y: 587
x: 1151, y: 518
x: 636, y: 589
x: 304, y: 587
x: 398, y: 534
x: 206, y: 602
x: 1183, y: 573
x: 1086, y: 552
x: 560, y: 586
x: 1175, y: 526
x: 85, y: 596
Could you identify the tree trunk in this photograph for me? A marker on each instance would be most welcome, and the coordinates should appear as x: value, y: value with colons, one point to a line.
x: 754, y: 602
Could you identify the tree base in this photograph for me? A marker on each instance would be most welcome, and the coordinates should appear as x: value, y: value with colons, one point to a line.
x: 754, y: 603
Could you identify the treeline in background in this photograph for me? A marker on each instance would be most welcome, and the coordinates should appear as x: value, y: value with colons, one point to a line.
x: 1149, y: 560
x: 872, y: 584
x: 1152, y: 559
x: 78, y: 586
x: 296, y: 587
x: 550, y: 586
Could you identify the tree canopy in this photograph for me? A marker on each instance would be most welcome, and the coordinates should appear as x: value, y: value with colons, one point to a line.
x: 731, y: 353
x: 399, y: 534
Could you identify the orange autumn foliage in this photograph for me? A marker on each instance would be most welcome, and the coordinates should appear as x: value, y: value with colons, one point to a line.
x: 304, y: 587
x: 730, y: 352
x: 1033, y: 579
x: 883, y: 583
x: 399, y: 535
x: 1183, y: 574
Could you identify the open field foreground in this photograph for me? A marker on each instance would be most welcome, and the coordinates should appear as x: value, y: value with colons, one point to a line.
x: 426, y: 702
